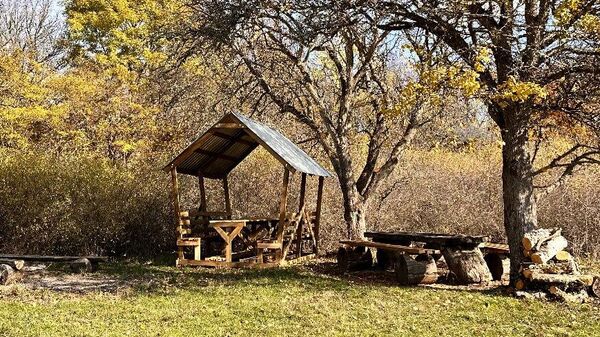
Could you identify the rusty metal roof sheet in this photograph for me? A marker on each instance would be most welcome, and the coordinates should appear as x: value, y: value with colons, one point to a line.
x: 220, y: 149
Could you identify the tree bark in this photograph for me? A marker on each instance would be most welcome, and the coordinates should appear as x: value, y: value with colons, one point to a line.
x: 520, y: 208
x: 354, y: 204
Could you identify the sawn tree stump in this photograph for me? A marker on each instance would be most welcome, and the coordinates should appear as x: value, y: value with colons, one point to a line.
x: 468, y: 266
x: 410, y: 271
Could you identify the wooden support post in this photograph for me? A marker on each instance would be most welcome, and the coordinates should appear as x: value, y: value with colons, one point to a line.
x: 301, y: 209
x: 202, y: 193
x: 177, y: 209
x: 282, y: 210
x: 227, y: 199
x: 318, y: 212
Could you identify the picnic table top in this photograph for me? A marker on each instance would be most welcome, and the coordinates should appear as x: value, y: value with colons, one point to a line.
x: 428, y: 238
x: 392, y: 247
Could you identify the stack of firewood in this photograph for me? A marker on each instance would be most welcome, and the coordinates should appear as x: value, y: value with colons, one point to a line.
x: 552, y: 271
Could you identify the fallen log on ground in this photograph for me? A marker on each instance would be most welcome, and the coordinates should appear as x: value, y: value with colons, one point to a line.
x: 411, y: 272
x: 15, y: 264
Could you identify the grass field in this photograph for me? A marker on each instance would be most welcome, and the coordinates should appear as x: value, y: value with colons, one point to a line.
x: 295, y: 301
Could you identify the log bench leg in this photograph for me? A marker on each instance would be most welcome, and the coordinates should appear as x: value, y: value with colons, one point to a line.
x: 467, y: 266
x: 411, y: 271
x: 353, y: 259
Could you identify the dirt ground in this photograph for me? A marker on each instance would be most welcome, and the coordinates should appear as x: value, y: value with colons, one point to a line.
x: 49, y: 277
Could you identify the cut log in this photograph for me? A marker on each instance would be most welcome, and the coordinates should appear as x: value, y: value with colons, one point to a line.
x: 576, y: 297
x: 82, y: 265
x: 540, y: 295
x: 549, y: 249
x: 468, y: 266
x: 595, y: 288
x: 411, y: 272
x: 15, y: 264
x: 520, y: 284
x: 7, y: 274
x: 585, y: 280
x: 533, y: 238
x: 563, y: 255
x: 499, y: 266
x: 567, y: 267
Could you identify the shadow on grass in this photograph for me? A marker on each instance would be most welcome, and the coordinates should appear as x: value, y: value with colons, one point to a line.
x: 318, y: 275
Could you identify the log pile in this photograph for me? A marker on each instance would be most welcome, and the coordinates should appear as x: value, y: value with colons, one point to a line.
x: 550, y: 269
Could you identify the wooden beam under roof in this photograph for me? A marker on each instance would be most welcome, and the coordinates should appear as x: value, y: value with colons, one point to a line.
x: 216, y: 154
x: 229, y: 126
x: 229, y: 137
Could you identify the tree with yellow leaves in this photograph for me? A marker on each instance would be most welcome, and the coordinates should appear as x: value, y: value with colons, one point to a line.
x: 539, y: 79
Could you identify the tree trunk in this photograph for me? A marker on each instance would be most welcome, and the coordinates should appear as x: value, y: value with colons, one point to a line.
x: 354, y: 205
x: 520, y: 210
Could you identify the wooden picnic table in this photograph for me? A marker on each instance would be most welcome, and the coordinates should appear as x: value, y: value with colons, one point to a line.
x: 462, y: 253
x: 431, y: 240
x: 236, y: 227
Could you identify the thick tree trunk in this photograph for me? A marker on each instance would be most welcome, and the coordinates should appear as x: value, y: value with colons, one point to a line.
x: 520, y: 210
x: 355, y: 215
x: 354, y: 204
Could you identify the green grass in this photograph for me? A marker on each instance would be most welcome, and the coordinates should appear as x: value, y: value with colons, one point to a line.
x: 165, y: 301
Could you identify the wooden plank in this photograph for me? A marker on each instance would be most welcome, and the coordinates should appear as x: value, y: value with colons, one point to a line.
x: 300, y: 208
x: 269, y: 245
x: 202, y: 188
x: 227, y: 198
x: 228, y: 126
x: 188, y: 242
x: 223, y: 149
x: 297, y: 260
x: 498, y: 248
x: 52, y: 258
x: 175, y: 199
x: 228, y: 137
x: 217, y: 155
x: 228, y: 223
x: 283, y: 204
x: 387, y: 246
x: 432, y: 238
x: 318, y: 213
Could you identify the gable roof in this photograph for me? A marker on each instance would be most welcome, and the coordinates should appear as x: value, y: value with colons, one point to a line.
x: 220, y: 149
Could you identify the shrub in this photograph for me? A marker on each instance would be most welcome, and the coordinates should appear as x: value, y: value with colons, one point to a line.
x: 80, y: 205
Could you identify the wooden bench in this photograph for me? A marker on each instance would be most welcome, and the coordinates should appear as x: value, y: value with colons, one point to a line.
x: 390, y: 247
x: 409, y: 271
x: 78, y: 263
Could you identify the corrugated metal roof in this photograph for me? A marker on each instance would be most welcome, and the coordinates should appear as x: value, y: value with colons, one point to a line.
x: 220, y: 149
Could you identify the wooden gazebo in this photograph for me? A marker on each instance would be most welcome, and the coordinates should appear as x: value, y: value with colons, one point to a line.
x: 212, y: 237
